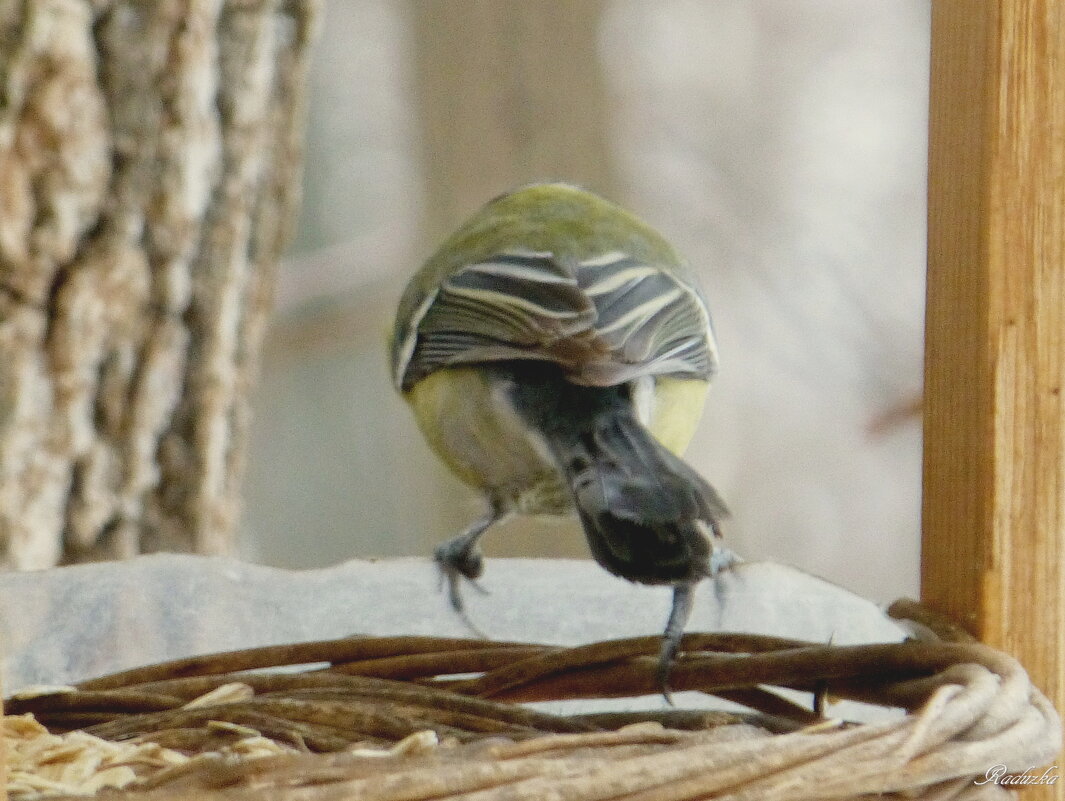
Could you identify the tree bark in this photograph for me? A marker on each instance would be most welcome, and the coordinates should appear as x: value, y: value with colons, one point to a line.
x: 149, y: 167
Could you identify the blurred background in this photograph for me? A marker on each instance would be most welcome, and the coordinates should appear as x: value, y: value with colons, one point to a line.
x: 779, y: 144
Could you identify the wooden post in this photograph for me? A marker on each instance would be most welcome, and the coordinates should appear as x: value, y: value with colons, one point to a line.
x: 994, y: 464
x: 3, y: 749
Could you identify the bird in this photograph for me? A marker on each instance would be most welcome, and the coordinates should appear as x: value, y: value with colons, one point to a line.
x: 556, y: 353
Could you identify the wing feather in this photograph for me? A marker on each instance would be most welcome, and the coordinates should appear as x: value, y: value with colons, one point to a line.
x: 606, y: 319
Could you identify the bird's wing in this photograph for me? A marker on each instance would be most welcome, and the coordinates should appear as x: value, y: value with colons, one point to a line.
x: 647, y: 319
x: 605, y: 320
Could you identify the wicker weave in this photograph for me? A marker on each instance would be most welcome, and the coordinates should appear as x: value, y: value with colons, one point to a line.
x: 450, y: 706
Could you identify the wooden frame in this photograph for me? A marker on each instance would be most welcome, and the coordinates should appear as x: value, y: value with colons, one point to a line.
x: 994, y: 469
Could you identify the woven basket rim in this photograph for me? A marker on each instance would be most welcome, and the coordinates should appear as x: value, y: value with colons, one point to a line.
x: 969, y: 709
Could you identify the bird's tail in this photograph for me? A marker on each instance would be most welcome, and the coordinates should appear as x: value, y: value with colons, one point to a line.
x: 647, y: 515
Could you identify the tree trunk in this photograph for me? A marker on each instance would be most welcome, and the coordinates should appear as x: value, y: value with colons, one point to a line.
x: 149, y: 169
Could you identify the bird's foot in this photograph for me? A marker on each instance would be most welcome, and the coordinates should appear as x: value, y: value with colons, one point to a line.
x: 666, y: 656
x: 683, y: 601
x: 722, y: 558
x: 460, y: 560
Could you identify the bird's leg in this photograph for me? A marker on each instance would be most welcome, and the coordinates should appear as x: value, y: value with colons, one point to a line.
x: 721, y: 559
x: 461, y: 557
x: 683, y: 601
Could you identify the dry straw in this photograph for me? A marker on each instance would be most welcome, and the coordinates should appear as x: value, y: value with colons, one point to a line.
x: 407, y: 718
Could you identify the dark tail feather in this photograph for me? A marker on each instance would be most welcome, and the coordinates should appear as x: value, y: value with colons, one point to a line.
x: 648, y: 516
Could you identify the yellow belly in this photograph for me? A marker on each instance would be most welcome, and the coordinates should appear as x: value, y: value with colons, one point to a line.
x: 472, y: 427
x: 676, y: 410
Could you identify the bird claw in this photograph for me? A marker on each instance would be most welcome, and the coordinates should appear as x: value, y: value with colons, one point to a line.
x: 666, y: 656
x: 460, y: 556
x: 458, y: 561
x: 722, y: 558
x: 454, y: 579
x: 683, y: 601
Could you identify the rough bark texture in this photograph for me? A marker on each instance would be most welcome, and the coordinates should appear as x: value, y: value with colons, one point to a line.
x: 149, y: 166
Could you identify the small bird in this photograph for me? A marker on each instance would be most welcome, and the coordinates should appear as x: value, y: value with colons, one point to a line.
x: 556, y: 355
